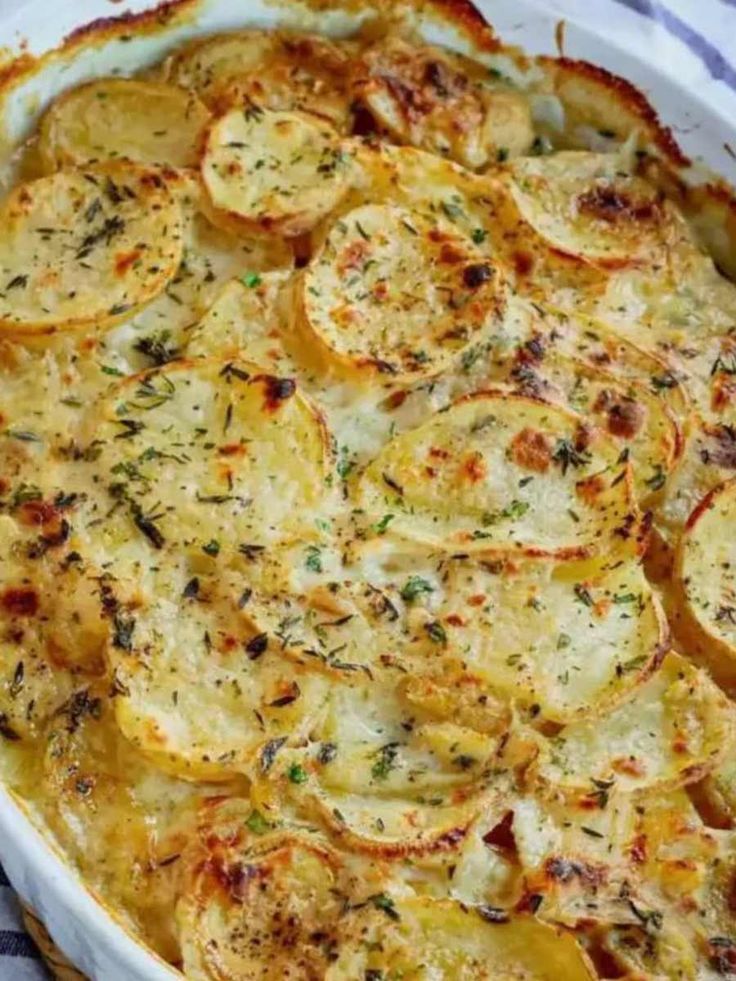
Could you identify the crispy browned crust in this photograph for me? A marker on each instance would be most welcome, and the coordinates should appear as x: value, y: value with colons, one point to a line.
x: 705, y: 504
x: 465, y: 16
x: 628, y: 96
x: 154, y: 19
x: 95, y: 33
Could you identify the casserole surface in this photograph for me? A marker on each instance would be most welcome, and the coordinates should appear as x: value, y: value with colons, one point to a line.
x: 332, y: 432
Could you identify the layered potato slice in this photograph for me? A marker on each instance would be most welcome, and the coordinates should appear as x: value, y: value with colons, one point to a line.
x: 689, y: 870
x: 197, y: 691
x: 575, y: 857
x: 243, y: 321
x: 258, y: 901
x: 688, y: 299
x: 562, y: 647
x: 398, y: 294
x: 113, y: 811
x: 705, y: 574
x: 122, y: 118
x: 437, y: 188
x: 85, y: 248
x: 32, y: 685
x: 396, y: 773
x: 577, y: 209
x: 675, y: 728
x: 423, y: 938
x: 595, y: 862
x: 207, y: 454
x: 212, y: 259
x: 603, y: 346
x: 437, y: 100
x: 279, y: 70
x: 275, y: 171
x: 503, y: 474
x: 635, y: 416
x: 709, y: 459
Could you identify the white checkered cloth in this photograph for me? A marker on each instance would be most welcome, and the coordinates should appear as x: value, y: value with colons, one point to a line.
x: 694, y: 41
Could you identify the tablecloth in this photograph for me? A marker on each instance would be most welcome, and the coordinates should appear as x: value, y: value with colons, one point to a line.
x: 691, y: 40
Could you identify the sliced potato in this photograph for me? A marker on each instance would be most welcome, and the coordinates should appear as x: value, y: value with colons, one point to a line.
x: 197, y: 691
x: 586, y: 208
x: 243, y: 321
x: 32, y: 685
x: 87, y: 247
x: 423, y: 938
x: 603, y: 346
x: 557, y: 645
x: 709, y: 459
x: 422, y: 182
x: 502, y: 474
x: 687, y: 299
x: 122, y: 118
x: 209, y: 451
x: 676, y: 728
x: 256, y: 902
x: 705, y: 571
x: 690, y: 869
x: 576, y: 855
x: 440, y: 101
x: 280, y: 70
x: 112, y: 809
x: 389, y: 777
x: 392, y: 292
x: 633, y: 415
x: 274, y: 171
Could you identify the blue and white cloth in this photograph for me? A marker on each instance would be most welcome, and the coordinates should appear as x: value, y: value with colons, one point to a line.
x: 692, y: 41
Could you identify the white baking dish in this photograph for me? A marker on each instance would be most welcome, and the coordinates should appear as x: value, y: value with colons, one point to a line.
x: 90, y: 937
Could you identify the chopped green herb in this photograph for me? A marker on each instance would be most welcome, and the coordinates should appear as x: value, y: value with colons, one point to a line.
x: 414, y: 587
x: 436, y: 632
x: 297, y: 773
x: 251, y: 280
x: 257, y: 823
x: 380, y: 527
x: 314, y: 559
x: 385, y: 761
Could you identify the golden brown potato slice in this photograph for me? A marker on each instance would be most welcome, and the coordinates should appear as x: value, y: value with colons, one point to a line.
x: 442, y: 102
x: 560, y: 646
x: 393, y: 292
x: 425, y: 938
x: 208, y: 451
x: 85, y: 248
x: 280, y: 70
x: 122, y: 119
x: 705, y: 574
x: 581, y: 215
x: 257, y: 901
x: 197, y: 691
x: 675, y: 728
x: 502, y: 474
x: 272, y: 171
x: 635, y: 416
